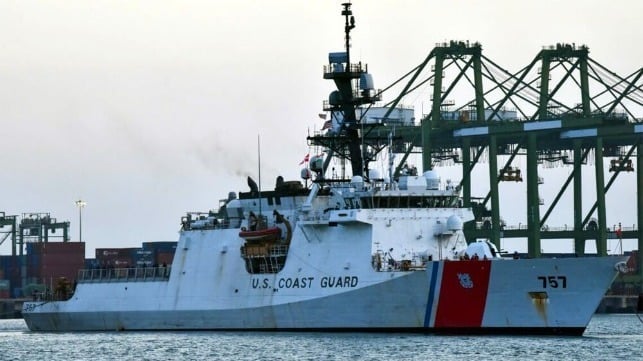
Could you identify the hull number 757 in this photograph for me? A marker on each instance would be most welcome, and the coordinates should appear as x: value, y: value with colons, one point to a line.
x: 553, y: 281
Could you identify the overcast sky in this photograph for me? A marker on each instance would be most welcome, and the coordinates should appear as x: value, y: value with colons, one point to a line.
x: 149, y: 109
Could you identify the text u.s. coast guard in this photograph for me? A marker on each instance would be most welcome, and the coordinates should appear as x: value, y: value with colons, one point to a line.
x: 307, y: 282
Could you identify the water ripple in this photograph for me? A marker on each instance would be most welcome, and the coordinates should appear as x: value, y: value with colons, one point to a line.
x: 608, y: 337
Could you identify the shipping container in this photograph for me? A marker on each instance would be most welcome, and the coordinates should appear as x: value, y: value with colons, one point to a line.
x: 5, y: 293
x: 55, y: 259
x: 142, y: 252
x: 111, y: 253
x: 7, y: 262
x: 91, y: 263
x: 108, y: 257
x: 632, y: 262
x: 56, y: 265
x: 30, y: 248
x: 5, y: 285
x: 160, y: 246
x: 16, y: 282
x: 122, y: 263
x: 164, y: 258
x: 4, y: 260
x: 34, y: 265
x: 56, y: 248
x: 144, y: 263
x: 143, y: 257
x: 116, y: 263
x: 11, y: 267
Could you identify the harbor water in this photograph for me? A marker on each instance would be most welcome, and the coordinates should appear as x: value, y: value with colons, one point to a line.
x: 608, y: 337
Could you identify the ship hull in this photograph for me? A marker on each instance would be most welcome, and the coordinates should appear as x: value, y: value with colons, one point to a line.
x: 448, y: 297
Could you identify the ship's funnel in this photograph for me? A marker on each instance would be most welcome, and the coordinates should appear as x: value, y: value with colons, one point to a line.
x: 253, y: 185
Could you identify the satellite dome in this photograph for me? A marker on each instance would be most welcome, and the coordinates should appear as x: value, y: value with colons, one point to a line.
x: 432, y: 179
x: 357, y: 181
x: 454, y: 223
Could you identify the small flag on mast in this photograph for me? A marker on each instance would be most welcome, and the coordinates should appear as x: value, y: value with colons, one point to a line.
x: 305, y: 159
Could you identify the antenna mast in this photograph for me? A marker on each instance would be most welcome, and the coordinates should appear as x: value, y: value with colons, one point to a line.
x: 350, y: 25
x: 354, y: 89
x: 259, y: 165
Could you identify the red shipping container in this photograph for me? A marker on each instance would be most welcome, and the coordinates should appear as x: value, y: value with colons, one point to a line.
x: 56, y: 265
x: 58, y: 248
x: 52, y: 260
x: 4, y: 294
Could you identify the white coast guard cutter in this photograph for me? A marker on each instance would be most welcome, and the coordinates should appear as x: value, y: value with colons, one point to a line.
x: 363, y: 254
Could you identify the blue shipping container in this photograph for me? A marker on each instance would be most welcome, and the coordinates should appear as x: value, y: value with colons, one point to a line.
x: 159, y: 246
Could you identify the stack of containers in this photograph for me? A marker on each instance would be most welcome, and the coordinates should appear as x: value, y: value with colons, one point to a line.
x: 49, y: 261
x: 162, y: 252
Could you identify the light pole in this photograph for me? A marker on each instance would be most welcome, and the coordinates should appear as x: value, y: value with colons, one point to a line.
x: 80, y: 204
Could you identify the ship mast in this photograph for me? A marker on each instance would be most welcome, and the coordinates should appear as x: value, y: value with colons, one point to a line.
x: 344, y: 101
x: 349, y: 25
x: 345, y: 86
